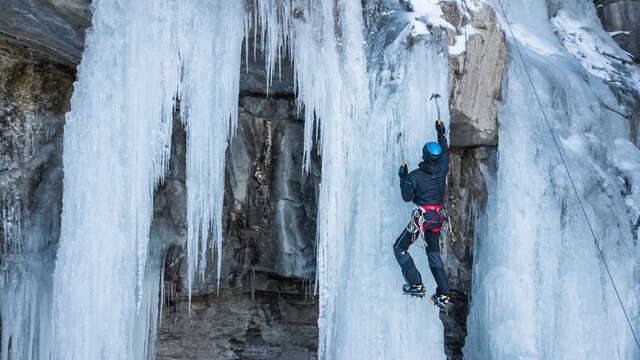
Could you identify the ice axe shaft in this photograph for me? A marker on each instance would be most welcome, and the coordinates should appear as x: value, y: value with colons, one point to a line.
x: 436, y: 96
x: 399, y: 141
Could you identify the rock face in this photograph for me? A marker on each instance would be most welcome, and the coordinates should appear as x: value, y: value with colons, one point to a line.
x: 475, y: 84
x: 54, y: 26
x: 622, y: 19
x: 465, y: 204
x: 234, y: 325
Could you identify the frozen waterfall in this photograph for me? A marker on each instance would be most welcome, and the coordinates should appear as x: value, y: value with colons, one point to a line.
x: 140, y: 57
x: 537, y: 272
x: 364, y: 73
x: 369, y: 90
x: 144, y: 59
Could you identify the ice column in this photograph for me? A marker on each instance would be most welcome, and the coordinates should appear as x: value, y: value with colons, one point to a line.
x: 117, y: 139
x: 140, y: 57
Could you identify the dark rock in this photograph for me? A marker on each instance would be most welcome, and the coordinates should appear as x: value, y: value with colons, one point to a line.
x: 254, y: 78
x: 270, y: 204
x: 466, y: 200
x: 55, y: 27
x: 34, y: 96
x: 622, y: 16
x: 233, y: 326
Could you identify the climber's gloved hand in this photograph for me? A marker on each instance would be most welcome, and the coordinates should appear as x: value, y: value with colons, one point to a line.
x: 440, y: 127
x: 403, y: 171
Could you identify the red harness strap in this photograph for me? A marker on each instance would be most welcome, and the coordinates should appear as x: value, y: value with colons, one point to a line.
x: 435, y: 208
x: 431, y: 207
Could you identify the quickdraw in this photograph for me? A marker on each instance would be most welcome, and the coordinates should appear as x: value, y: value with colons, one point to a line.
x: 419, y: 223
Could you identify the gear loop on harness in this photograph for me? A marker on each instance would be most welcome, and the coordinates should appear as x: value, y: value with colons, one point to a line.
x: 419, y: 223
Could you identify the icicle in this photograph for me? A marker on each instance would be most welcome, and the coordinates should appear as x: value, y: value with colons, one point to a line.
x: 209, y: 108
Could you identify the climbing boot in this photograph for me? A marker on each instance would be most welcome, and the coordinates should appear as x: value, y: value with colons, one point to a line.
x: 441, y: 301
x: 414, y: 290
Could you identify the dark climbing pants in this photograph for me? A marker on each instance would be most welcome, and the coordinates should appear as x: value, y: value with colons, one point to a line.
x: 409, y: 270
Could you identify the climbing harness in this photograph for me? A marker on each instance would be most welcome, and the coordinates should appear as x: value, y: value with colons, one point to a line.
x: 573, y: 185
x: 450, y: 228
x: 419, y: 223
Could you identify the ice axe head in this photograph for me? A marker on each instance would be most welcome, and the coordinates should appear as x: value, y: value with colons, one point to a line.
x: 436, y: 96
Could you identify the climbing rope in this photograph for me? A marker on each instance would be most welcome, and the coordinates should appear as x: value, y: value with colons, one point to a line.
x: 566, y: 168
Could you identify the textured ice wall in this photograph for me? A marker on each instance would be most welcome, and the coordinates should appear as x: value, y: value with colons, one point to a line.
x: 25, y: 280
x: 138, y: 56
x: 540, y: 290
x: 356, y: 99
x: 364, y: 315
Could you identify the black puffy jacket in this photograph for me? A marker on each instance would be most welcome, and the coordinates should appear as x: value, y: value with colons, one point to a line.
x: 425, y: 185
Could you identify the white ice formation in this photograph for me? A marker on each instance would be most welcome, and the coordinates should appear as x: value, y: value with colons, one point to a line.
x: 540, y: 289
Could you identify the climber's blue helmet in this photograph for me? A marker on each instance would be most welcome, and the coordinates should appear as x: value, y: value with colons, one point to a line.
x: 431, y: 151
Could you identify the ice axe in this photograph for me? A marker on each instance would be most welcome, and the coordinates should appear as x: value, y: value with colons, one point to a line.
x: 398, y: 141
x: 436, y: 96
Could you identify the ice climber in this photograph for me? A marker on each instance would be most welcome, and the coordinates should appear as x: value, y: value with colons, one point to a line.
x: 425, y: 187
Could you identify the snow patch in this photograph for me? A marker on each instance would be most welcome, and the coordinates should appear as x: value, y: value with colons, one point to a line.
x: 595, y: 50
x: 474, y: 5
x: 460, y: 44
x: 575, y: 144
x: 614, y: 33
x: 430, y: 12
x: 627, y: 156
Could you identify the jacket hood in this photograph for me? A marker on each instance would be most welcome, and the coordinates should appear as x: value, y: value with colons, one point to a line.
x: 429, y: 168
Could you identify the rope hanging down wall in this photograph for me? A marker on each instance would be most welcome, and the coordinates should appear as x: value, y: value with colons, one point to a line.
x: 566, y: 168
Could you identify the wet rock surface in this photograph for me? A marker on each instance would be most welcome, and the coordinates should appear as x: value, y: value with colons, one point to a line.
x: 34, y: 97
x: 622, y: 19
x: 465, y: 203
x: 53, y: 26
